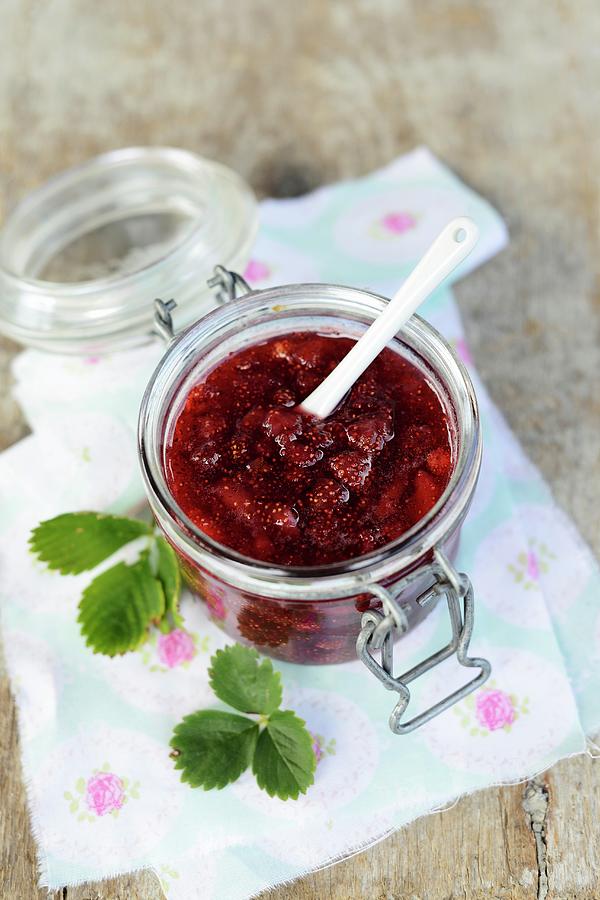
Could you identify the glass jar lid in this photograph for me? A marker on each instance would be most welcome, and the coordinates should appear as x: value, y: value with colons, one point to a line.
x: 82, y: 257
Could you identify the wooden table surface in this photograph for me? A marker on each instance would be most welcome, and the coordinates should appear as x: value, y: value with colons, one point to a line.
x: 294, y: 95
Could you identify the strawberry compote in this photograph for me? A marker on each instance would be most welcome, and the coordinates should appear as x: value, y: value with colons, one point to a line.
x: 254, y: 473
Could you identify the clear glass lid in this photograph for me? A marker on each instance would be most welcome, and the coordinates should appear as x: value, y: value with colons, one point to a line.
x: 83, y: 257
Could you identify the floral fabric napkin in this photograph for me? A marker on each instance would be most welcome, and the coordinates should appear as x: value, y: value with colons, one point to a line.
x: 103, y: 794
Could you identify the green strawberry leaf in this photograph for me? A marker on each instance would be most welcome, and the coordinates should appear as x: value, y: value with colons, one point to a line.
x: 240, y: 679
x: 118, y: 606
x: 213, y: 748
x: 284, y: 761
x: 76, y: 542
x: 169, y: 575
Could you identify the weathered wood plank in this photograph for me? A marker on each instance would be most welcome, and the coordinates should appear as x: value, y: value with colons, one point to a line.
x: 572, y: 830
x: 481, y: 848
x: 17, y: 848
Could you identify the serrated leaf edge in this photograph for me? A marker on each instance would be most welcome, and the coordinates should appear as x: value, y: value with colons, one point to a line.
x: 213, y: 784
x: 65, y: 569
x: 171, y: 602
x: 290, y: 796
x: 225, y: 651
x: 144, y: 634
x: 169, y: 617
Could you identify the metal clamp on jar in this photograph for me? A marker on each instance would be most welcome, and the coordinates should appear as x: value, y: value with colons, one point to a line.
x: 321, y: 614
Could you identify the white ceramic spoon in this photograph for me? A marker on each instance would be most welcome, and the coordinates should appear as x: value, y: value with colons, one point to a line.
x: 449, y: 249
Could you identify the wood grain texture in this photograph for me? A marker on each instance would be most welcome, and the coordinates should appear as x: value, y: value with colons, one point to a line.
x: 572, y: 835
x: 297, y: 94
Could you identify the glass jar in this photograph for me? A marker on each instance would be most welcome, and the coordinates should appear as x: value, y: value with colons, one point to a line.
x: 82, y: 255
x: 329, y: 613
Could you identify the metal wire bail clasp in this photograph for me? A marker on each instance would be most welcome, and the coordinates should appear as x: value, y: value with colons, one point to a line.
x: 227, y: 285
x: 377, y: 634
x: 163, y: 320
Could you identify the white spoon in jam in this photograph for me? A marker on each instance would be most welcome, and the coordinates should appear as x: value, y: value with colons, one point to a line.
x: 449, y: 249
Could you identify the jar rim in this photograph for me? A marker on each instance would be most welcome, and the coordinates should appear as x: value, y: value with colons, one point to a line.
x: 212, y: 218
x: 409, y: 547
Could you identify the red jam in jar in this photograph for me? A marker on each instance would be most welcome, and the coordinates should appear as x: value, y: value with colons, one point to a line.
x: 258, y: 476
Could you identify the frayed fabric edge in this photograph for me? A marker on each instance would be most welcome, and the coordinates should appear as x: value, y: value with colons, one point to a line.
x: 153, y: 866
x: 46, y: 881
x: 367, y: 845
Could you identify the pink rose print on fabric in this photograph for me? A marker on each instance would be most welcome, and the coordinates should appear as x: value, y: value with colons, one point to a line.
x: 398, y: 222
x: 104, y: 793
x: 256, y: 271
x: 317, y: 750
x: 531, y: 564
x: 175, y: 648
x: 321, y: 747
x: 490, y: 709
x: 494, y: 709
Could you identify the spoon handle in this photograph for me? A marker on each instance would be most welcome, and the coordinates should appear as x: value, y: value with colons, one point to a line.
x: 449, y: 249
